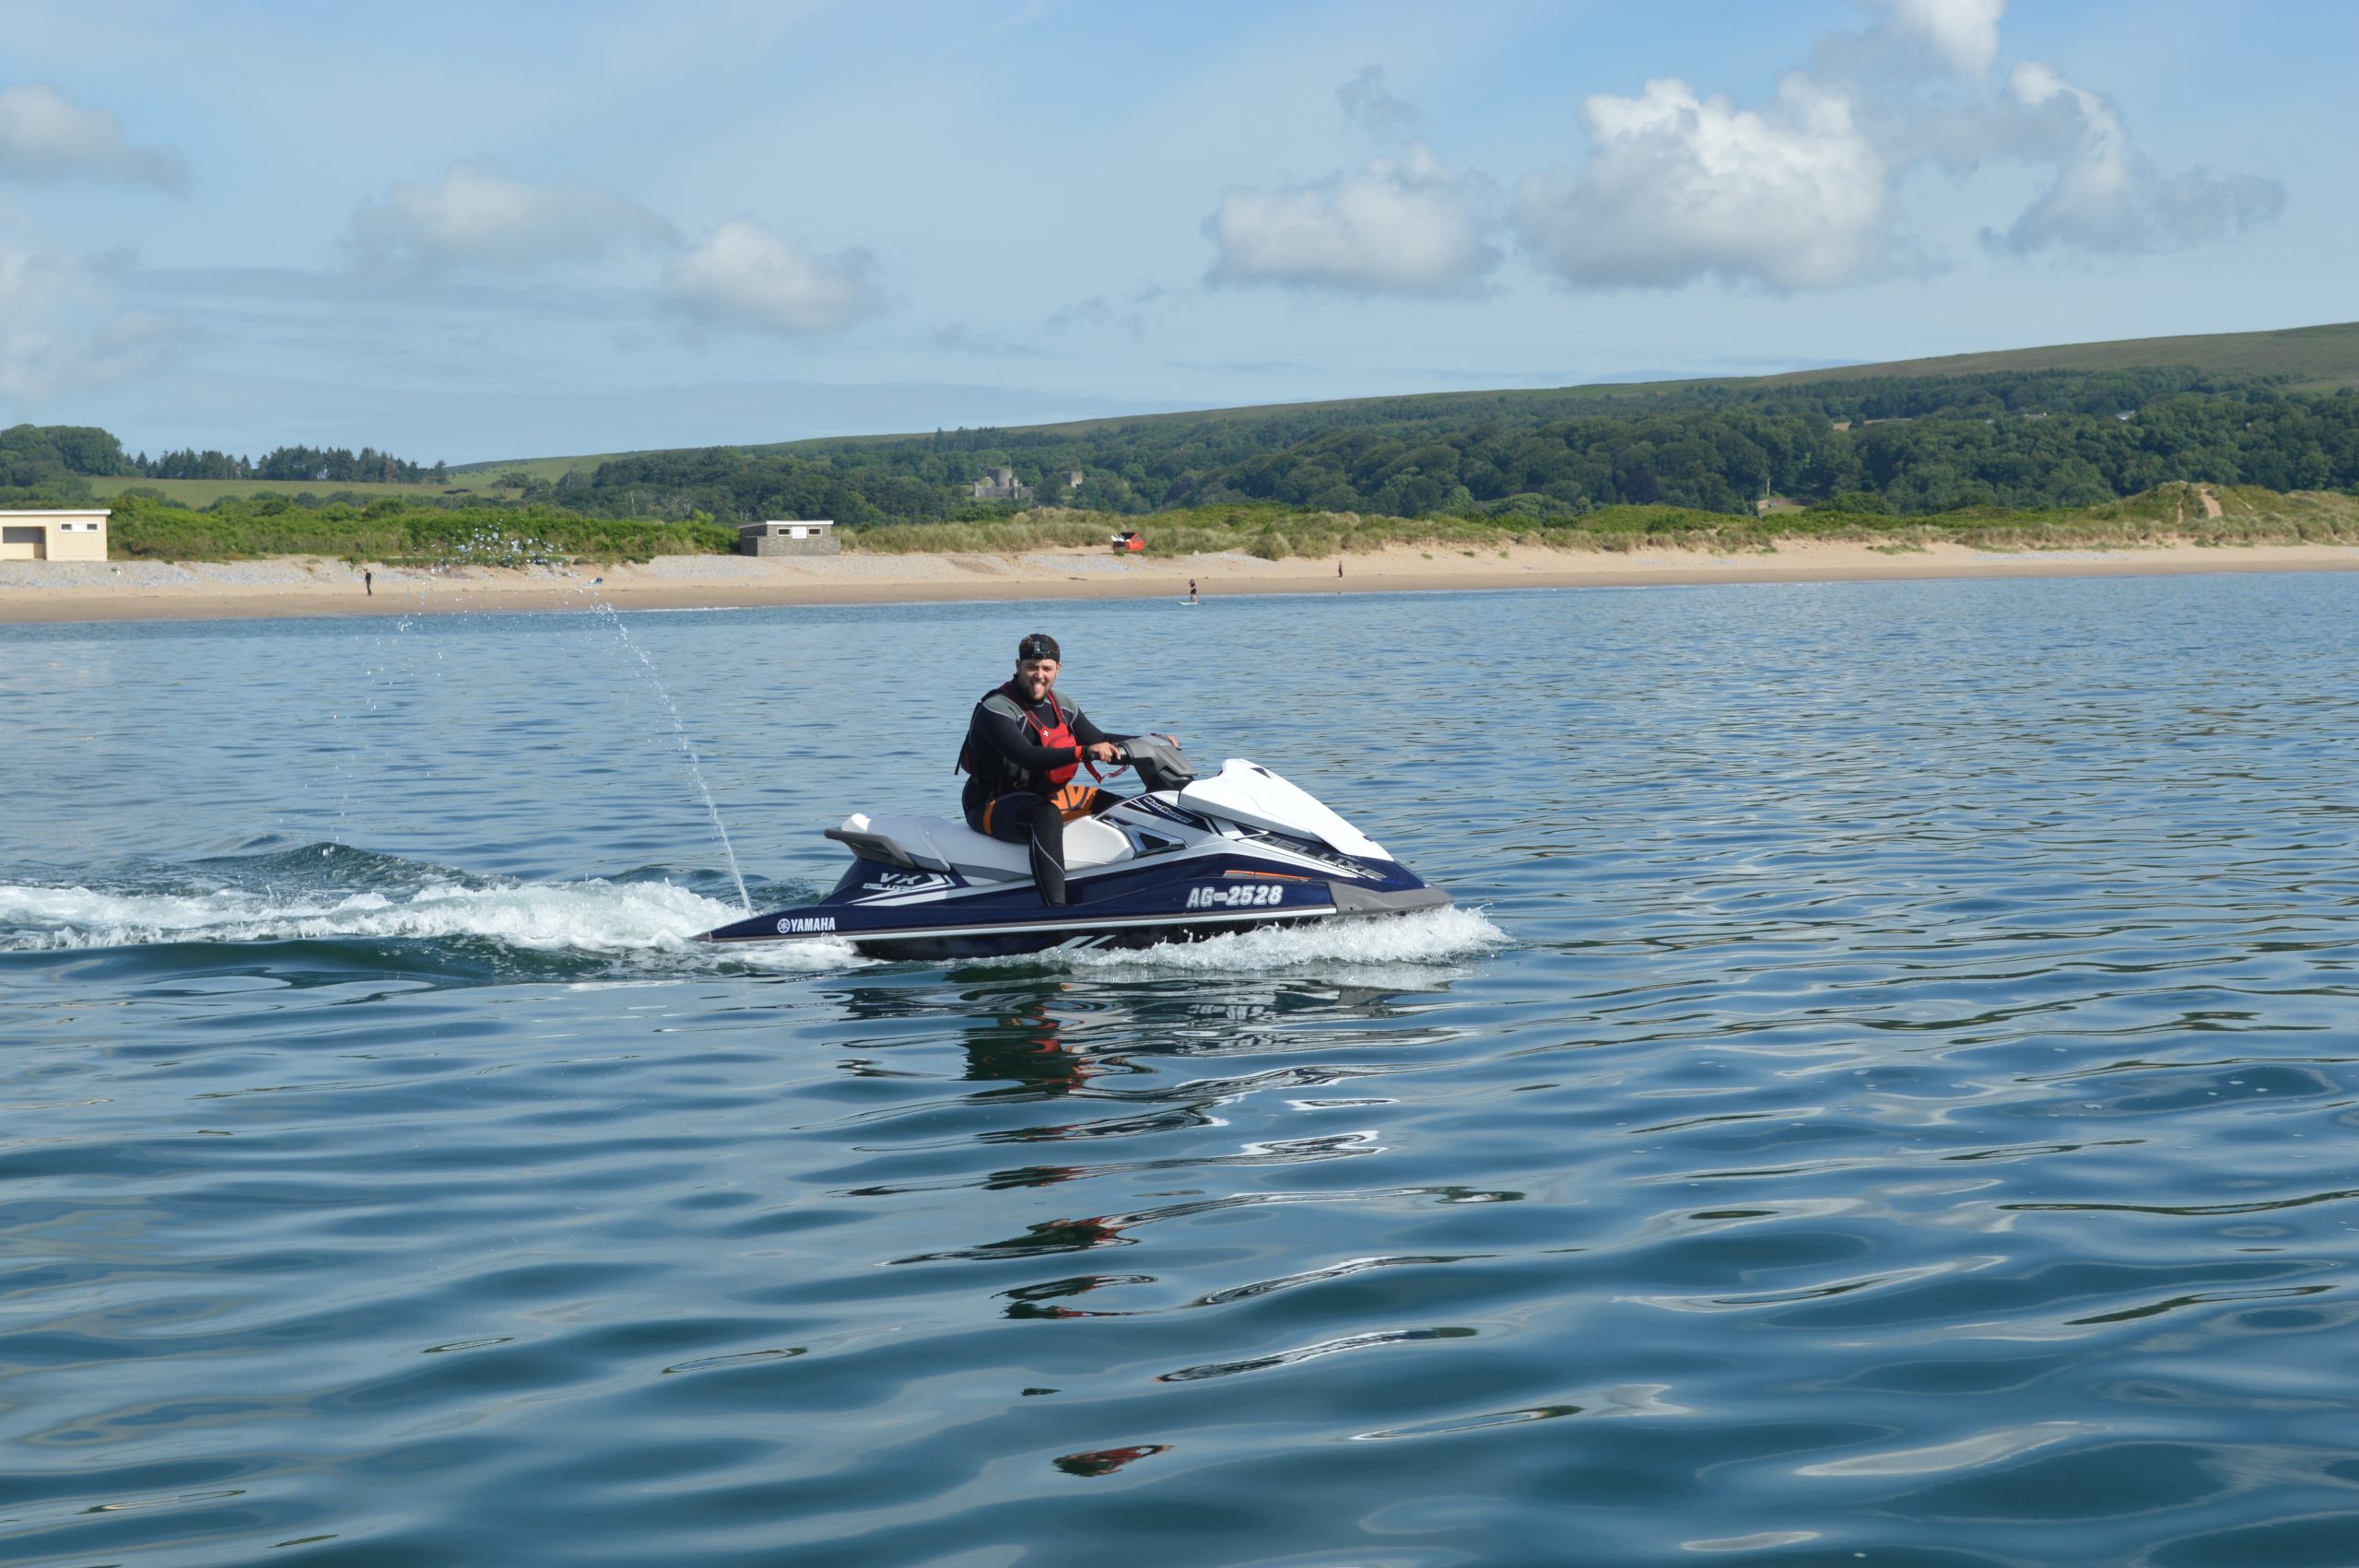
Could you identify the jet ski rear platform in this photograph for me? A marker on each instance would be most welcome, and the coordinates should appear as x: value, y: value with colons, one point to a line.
x: 1237, y: 851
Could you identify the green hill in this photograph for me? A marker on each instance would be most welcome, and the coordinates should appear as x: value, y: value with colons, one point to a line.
x: 1523, y: 402
x: 2304, y: 358
x: 2309, y: 359
x: 2039, y: 430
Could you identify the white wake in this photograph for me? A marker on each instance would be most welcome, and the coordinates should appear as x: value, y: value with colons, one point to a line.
x: 1432, y: 936
x: 586, y: 916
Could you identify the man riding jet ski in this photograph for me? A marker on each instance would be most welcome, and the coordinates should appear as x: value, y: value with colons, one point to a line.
x: 1023, y: 748
x: 1043, y: 863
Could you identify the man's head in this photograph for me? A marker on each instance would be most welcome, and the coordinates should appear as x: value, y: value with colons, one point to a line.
x: 1036, y: 662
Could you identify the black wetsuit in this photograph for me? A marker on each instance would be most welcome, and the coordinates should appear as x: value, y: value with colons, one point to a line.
x: 1008, y: 792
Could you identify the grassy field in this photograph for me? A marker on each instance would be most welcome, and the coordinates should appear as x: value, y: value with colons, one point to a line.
x: 2318, y: 358
x: 2315, y: 358
x: 204, y: 492
x: 484, y: 475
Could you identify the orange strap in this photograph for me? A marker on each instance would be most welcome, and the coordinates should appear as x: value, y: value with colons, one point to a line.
x: 1072, y: 803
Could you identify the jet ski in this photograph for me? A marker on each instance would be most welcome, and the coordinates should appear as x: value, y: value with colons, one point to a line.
x: 1185, y: 859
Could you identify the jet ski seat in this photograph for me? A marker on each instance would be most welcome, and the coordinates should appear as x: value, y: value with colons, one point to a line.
x: 936, y: 844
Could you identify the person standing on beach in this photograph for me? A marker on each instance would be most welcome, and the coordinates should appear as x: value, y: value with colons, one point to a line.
x: 1022, y: 747
x: 368, y: 581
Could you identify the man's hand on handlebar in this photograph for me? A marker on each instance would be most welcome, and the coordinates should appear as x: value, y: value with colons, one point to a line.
x: 1102, y: 751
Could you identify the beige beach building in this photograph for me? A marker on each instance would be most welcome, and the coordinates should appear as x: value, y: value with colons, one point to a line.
x: 53, y: 536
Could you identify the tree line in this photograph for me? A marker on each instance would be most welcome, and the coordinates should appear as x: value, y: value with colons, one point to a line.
x: 33, y: 455
x: 319, y: 465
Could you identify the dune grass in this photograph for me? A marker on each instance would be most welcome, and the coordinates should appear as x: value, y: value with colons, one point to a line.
x: 1269, y: 532
x: 387, y: 531
x: 2171, y: 513
x: 391, y: 533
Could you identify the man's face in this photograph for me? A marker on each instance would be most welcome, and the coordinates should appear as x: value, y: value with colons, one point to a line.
x: 1035, y: 676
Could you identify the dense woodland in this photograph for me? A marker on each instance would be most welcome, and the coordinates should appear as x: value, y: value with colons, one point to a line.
x: 1912, y: 447
x: 1898, y: 446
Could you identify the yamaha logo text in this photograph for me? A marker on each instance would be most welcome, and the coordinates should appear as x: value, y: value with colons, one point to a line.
x: 789, y: 925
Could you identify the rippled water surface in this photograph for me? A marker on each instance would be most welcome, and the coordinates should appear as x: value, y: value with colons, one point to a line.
x: 1887, y: 1095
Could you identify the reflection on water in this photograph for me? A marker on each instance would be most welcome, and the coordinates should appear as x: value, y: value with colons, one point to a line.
x: 1886, y: 1097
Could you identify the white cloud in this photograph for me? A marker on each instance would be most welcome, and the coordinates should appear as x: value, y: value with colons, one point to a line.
x: 474, y: 217
x: 1678, y: 187
x: 1963, y: 33
x: 60, y: 328
x: 741, y: 274
x: 1406, y: 224
x: 2107, y: 196
x: 1374, y: 108
x: 46, y: 136
x: 1802, y: 193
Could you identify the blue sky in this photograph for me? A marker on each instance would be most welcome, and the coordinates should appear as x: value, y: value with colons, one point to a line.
x: 473, y: 231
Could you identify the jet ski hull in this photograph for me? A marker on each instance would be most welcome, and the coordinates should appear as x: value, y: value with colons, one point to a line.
x: 1243, y: 851
x: 992, y: 927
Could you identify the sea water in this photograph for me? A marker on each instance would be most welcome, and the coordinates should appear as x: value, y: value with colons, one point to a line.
x: 1886, y: 1095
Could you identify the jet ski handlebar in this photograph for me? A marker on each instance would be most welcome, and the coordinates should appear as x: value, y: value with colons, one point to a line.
x: 1161, y: 764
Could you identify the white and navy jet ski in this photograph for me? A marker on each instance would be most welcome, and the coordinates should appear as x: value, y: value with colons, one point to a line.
x: 1186, y: 858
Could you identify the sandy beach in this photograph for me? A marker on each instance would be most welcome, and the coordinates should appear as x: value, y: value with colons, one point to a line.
x: 64, y: 592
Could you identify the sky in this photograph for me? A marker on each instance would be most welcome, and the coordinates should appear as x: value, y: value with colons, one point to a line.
x: 473, y: 231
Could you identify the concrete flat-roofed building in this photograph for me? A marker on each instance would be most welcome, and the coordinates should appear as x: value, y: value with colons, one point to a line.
x: 53, y: 536
x: 806, y: 536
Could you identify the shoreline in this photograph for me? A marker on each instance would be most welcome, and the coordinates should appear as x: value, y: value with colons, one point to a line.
x: 65, y: 592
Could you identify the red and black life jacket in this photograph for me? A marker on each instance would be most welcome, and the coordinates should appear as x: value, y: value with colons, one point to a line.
x: 1059, y: 734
